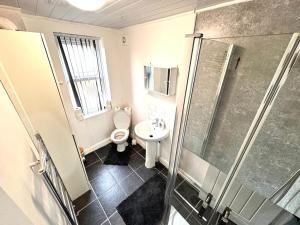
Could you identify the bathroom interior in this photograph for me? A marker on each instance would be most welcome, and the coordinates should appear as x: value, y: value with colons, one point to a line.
x: 138, y: 112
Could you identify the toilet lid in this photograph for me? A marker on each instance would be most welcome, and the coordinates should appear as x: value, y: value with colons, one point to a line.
x: 122, y: 119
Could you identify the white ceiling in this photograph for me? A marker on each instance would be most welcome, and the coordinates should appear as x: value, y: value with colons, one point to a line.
x: 115, y: 14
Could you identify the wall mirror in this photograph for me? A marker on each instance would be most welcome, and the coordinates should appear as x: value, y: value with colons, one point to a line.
x: 160, y: 80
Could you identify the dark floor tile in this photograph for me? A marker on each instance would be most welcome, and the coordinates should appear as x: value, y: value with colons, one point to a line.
x: 136, y: 161
x: 183, y: 202
x: 97, y: 169
x: 137, y: 147
x: 188, y: 192
x: 179, y: 180
x: 116, y: 219
x: 102, y: 152
x: 142, y: 152
x: 162, y: 176
x: 179, y: 207
x: 131, y: 183
x: 90, y: 159
x: 111, y: 199
x: 159, y: 166
x: 146, y: 173
x: 84, y: 200
x: 120, y: 172
x: 103, y: 183
x: 164, y: 172
x: 91, y: 215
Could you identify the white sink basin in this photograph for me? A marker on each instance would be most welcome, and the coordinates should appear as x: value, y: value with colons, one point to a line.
x: 148, y: 132
x: 151, y: 134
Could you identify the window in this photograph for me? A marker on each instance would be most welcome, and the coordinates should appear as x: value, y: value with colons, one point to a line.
x: 84, y: 65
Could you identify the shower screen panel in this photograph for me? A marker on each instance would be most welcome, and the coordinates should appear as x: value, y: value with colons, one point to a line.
x: 221, y: 111
x: 270, y: 168
x: 212, y: 70
x: 253, y: 63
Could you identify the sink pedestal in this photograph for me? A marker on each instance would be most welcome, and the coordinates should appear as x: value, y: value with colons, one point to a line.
x: 151, y: 150
x: 152, y: 134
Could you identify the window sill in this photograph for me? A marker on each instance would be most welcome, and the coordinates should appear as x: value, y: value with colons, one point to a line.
x: 95, y: 114
x: 85, y: 117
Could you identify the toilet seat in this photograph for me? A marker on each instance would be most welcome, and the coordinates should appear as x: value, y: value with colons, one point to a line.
x: 119, y: 135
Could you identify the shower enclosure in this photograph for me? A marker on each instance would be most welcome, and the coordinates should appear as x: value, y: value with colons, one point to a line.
x: 237, y: 158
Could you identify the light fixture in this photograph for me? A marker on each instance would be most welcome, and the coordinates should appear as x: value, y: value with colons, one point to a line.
x: 88, y: 5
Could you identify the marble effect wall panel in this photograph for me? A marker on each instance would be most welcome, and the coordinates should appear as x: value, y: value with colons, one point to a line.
x: 258, y: 17
x: 275, y: 156
x: 257, y: 59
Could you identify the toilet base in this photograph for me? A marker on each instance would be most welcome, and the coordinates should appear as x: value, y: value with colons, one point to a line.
x: 122, y: 147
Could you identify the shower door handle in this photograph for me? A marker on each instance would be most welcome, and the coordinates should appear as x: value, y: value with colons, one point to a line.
x: 282, y: 191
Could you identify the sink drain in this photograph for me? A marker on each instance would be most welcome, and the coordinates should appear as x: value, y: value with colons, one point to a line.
x: 151, y: 135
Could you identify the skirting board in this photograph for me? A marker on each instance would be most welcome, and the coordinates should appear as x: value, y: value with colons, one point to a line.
x: 96, y: 146
x: 140, y: 142
x: 181, y: 172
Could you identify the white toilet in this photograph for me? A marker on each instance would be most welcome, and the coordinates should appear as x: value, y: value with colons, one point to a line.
x: 122, y: 119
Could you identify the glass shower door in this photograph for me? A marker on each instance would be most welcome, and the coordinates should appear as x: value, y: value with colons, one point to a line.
x: 228, y: 80
x: 268, y: 172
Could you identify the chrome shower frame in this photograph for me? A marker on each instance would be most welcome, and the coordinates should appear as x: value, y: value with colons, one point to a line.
x: 177, y: 145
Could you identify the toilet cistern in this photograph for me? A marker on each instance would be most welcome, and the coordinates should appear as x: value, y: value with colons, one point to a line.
x: 151, y: 131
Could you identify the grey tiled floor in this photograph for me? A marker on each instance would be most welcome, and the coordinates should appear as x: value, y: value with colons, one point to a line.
x: 110, y: 185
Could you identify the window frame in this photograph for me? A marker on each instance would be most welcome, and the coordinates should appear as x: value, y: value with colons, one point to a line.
x: 104, y: 98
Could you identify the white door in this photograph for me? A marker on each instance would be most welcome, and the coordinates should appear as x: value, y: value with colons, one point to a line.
x: 26, y: 72
x: 23, y: 191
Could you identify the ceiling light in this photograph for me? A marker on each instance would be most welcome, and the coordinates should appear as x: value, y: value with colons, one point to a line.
x: 88, y: 5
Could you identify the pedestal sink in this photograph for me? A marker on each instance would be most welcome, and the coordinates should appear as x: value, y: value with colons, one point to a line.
x: 150, y: 132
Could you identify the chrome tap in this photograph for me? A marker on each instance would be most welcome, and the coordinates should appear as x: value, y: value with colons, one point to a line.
x: 162, y: 124
x: 155, y: 122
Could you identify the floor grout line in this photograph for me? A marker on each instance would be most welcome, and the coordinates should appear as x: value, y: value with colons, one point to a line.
x: 179, y: 184
x: 100, y: 205
x: 140, y: 154
x: 113, y: 214
x: 137, y: 173
x: 163, y: 174
x: 119, y: 184
x: 97, y: 154
x: 85, y: 206
x: 92, y: 164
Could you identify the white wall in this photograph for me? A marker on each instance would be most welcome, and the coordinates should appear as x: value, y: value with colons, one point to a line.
x: 92, y: 132
x: 22, y: 188
x: 162, y: 43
